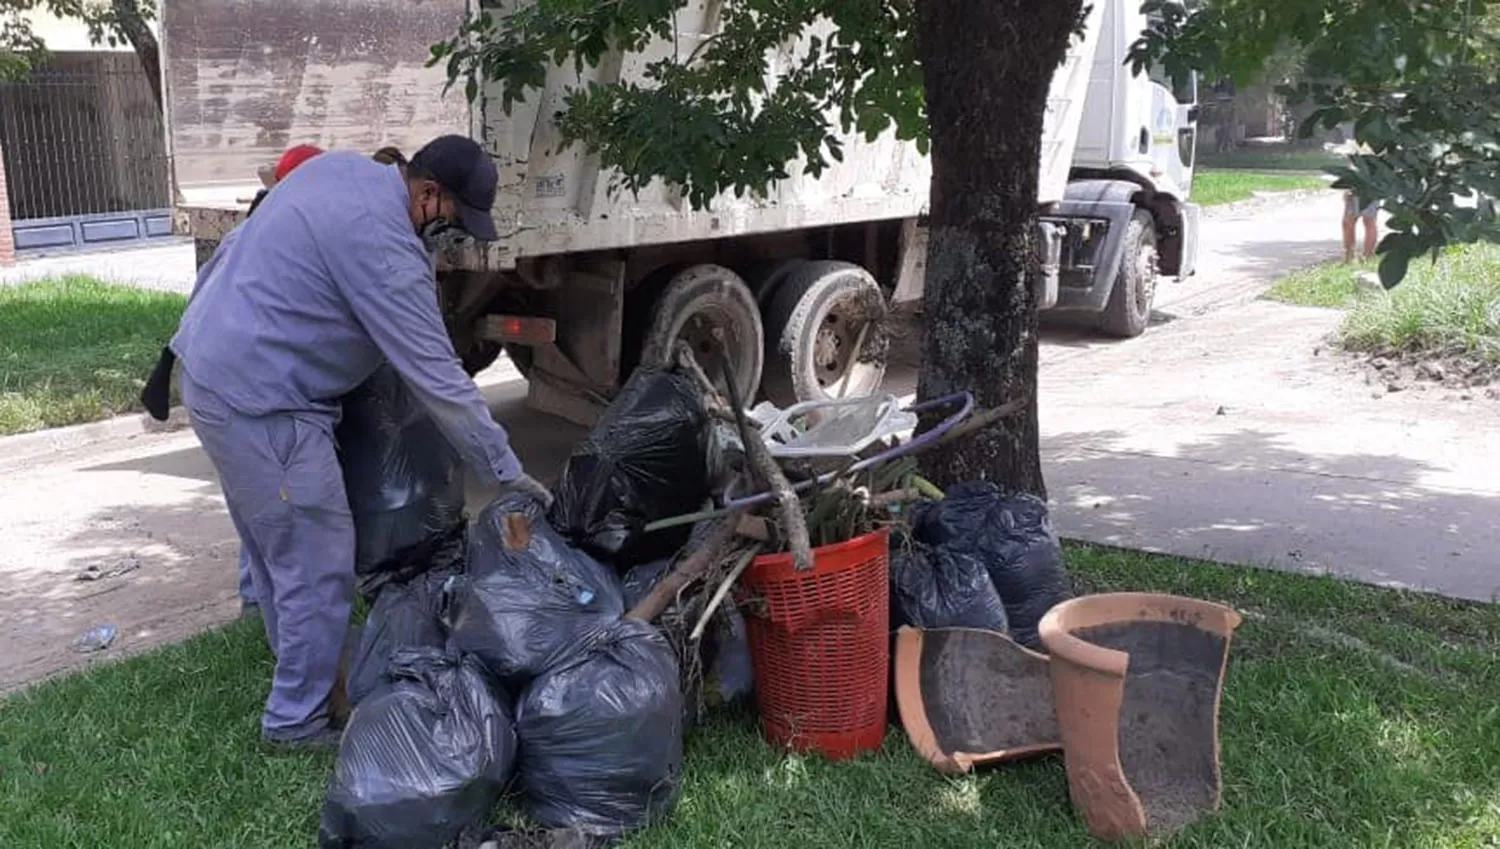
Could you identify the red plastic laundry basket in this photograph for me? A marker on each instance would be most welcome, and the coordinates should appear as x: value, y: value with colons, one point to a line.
x: 820, y: 645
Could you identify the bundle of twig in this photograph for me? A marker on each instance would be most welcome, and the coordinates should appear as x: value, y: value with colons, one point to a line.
x: 845, y: 507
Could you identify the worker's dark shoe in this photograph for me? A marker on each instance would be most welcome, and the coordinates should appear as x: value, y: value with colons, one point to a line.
x: 326, y: 740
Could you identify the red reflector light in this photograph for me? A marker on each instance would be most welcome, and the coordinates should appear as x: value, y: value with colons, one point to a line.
x: 520, y: 330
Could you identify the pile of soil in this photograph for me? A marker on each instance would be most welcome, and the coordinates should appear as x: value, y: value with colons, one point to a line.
x: 1466, y: 376
x: 1168, y: 721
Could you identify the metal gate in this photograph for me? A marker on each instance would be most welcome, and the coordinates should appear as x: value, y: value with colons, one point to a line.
x: 85, y: 155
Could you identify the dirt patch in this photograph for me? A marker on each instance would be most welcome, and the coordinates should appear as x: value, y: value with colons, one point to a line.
x: 1466, y: 377
x: 1168, y: 719
x: 983, y: 693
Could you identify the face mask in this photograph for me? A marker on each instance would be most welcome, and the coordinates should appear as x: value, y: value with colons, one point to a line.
x: 433, y: 233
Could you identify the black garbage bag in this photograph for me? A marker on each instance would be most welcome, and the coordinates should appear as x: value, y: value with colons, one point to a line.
x: 1012, y: 534
x: 724, y: 651
x: 424, y: 757
x: 935, y: 586
x: 526, y: 600
x: 405, y: 616
x: 731, y: 672
x: 646, y: 459
x: 404, y: 481
x: 601, y: 734
x: 636, y: 583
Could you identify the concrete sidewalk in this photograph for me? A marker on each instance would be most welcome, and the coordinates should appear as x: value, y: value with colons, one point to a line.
x: 1231, y: 431
x: 1237, y: 440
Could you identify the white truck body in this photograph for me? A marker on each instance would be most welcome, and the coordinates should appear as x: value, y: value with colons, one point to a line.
x: 588, y: 281
x: 554, y: 199
x: 246, y: 79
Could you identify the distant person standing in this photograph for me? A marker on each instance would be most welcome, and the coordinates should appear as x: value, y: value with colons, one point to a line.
x: 1353, y: 215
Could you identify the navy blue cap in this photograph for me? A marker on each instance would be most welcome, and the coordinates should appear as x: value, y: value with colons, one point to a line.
x: 461, y: 166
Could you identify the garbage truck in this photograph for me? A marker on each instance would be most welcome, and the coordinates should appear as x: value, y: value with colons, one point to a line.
x: 588, y: 282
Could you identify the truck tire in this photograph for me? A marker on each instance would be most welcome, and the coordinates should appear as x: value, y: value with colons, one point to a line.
x: 813, y: 322
x: 1129, y: 308
x: 692, y: 305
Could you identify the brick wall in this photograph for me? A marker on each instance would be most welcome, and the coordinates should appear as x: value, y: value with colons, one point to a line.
x: 7, y: 238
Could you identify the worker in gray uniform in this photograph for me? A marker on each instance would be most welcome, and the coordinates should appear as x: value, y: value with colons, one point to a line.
x: 297, y: 307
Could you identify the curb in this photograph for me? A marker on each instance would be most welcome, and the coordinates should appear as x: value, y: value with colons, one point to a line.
x: 1260, y: 201
x: 40, y: 443
x: 27, y: 446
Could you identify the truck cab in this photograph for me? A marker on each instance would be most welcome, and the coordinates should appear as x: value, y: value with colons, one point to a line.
x: 1127, y: 206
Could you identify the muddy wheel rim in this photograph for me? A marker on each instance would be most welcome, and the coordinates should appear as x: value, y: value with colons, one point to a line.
x: 698, y: 331
x: 834, y: 345
x: 1145, y: 290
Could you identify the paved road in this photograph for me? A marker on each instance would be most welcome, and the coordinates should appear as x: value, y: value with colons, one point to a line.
x: 1226, y: 432
x: 1231, y: 432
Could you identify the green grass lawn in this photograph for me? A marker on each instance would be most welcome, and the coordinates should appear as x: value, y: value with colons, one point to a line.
x: 1451, y: 307
x: 1269, y: 158
x: 1212, y: 187
x: 77, y: 349
x: 1352, y: 717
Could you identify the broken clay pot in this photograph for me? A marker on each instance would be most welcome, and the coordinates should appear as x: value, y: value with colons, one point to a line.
x: 969, y: 697
x: 1136, y: 680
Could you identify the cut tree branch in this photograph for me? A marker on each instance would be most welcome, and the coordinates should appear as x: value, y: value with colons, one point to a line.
x: 715, y: 544
x: 763, y: 465
x: 745, y: 559
x: 794, y: 523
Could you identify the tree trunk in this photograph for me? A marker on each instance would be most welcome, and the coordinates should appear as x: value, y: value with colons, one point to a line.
x: 988, y: 65
x: 132, y: 25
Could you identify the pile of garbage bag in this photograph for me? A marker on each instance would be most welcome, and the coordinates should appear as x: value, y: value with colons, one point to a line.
x: 496, y: 653
x: 404, y: 481
x: 498, y: 656
x: 978, y: 546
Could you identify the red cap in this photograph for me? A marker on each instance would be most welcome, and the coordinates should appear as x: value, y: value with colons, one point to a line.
x: 293, y: 157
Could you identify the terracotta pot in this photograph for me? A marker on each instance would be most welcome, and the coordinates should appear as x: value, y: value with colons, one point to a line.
x: 1136, y: 680
x: 969, y: 697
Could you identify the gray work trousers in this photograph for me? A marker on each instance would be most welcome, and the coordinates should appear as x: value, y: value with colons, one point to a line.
x: 285, y: 491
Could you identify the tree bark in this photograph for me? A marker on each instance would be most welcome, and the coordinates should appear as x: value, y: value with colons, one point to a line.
x: 131, y: 24
x: 988, y: 65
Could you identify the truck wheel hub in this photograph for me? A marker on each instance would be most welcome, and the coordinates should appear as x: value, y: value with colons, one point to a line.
x: 829, y: 348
